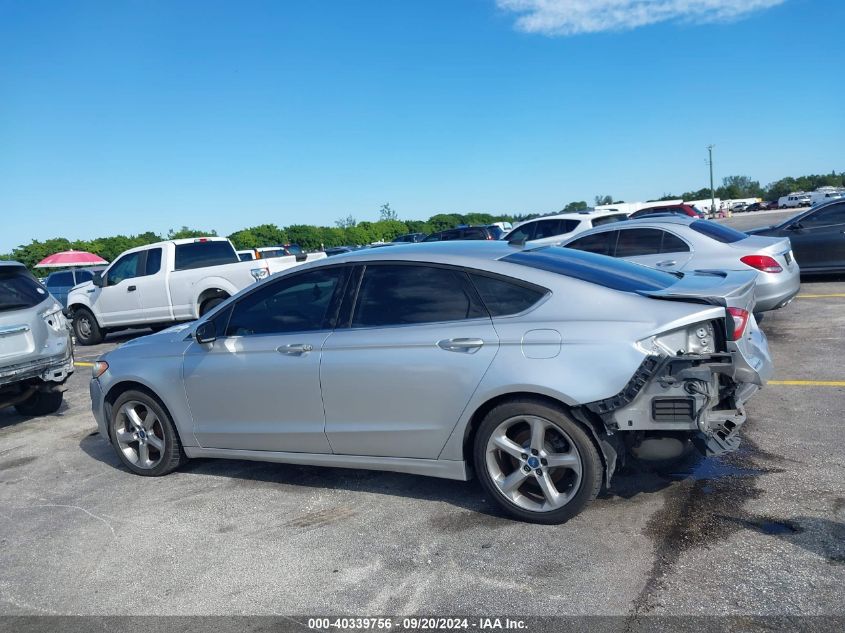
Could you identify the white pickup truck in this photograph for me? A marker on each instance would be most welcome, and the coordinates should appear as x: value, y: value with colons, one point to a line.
x: 164, y: 283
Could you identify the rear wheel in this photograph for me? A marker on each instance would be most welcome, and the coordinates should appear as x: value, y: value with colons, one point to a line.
x: 41, y: 403
x: 144, y: 436
x: 86, y: 328
x: 536, y: 462
x: 209, y: 304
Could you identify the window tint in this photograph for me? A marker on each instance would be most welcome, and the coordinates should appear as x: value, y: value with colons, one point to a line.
x: 503, y: 297
x: 522, y: 233
x: 57, y: 280
x: 199, y: 254
x: 475, y: 233
x: 635, y: 242
x: 84, y: 275
x: 834, y: 214
x: 600, y: 243
x: 153, y: 261
x: 294, y: 249
x: 400, y: 295
x: 19, y: 290
x: 673, y: 244
x: 124, y: 268
x: 718, y: 232
x: 609, y: 219
x: 617, y: 274
x: 292, y: 304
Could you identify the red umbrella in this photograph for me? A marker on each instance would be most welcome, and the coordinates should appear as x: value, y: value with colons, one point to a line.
x: 71, y: 258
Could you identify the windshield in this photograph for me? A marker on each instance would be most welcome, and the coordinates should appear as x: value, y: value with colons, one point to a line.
x: 609, y: 272
x: 19, y: 290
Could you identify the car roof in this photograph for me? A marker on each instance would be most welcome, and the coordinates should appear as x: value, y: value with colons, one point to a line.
x: 10, y: 265
x: 576, y: 215
x: 452, y: 251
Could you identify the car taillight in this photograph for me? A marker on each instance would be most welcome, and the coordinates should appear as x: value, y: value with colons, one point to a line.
x: 740, y: 320
x: 762, y: 262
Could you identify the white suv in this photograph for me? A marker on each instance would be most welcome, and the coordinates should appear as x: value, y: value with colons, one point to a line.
x: 552, y: 229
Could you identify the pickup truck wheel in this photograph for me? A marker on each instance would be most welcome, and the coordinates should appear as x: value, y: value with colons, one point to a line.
x: 536, y: 462
x: 144, y: 436
x: 86, y: 328
x: 210, y: 304
x: 41, y: 403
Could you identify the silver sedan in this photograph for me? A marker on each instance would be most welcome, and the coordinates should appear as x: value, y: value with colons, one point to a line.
x: 448, y: 359
x: 679, y: 243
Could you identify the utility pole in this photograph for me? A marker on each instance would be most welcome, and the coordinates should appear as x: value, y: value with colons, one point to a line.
x: 712, y: 190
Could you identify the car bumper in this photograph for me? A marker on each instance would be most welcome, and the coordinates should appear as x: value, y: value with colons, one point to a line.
x: 776, y: 290
x: 55, y: 369
x: 98, y: 406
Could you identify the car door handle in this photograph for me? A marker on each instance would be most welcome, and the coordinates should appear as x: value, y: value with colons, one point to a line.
x: 295, y: 348
x: 460, y: 344
x: 90, y: 290
x: 667, y: 262
x: 131, y: 289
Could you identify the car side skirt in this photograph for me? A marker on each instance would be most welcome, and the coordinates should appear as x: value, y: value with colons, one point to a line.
x: 442, y: 468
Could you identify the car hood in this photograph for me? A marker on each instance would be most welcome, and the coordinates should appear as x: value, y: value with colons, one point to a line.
x: 85, y: 285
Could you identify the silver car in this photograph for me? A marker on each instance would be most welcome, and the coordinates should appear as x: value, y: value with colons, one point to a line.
x: 35, y: 348
x: 678, y: 243
x: 448, y: 359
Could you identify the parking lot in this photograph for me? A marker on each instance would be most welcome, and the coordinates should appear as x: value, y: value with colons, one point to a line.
x: 759, y: 532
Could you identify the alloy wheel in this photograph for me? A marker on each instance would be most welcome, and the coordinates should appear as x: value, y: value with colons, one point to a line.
x: 139, y: 435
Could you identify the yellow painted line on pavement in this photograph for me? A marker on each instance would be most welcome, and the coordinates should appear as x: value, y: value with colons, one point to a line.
x: 79, y: 363
x: 835, y: 294
x: 809, y: 383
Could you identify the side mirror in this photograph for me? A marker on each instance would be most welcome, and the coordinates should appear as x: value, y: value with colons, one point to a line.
x: 206, y: 332
x: 98, y: 280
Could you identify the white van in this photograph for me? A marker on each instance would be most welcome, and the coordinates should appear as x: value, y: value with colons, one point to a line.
x: 826, y: 195
x: 798, y: 199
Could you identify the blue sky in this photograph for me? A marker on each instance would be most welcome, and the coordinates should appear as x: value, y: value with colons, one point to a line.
x: 145, y: 115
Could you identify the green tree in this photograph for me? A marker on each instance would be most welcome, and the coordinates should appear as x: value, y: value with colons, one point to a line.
x: 386, y: 213
x: 575, y: 206
x: 346, y: 223
x: 601, y: 200
x: 186, y: 232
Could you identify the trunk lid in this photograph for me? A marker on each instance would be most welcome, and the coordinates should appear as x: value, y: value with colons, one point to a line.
x: 729, y: 289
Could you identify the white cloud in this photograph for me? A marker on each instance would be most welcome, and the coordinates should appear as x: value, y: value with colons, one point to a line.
x: 569, y: 17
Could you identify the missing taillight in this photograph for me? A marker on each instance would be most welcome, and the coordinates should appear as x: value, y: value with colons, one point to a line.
x: 762, y: 263
x: 739, y: 318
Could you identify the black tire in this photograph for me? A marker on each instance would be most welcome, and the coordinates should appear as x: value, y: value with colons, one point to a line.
x: 85, y: 327
x: 591, y: 464
x: 171, y: 456
x: 209, y: 304
x: 41, y: 403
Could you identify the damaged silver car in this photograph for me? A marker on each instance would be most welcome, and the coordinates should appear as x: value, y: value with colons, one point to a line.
x: 538, y: 371
x: 36, y: 355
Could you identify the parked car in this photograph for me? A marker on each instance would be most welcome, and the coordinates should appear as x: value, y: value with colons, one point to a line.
x: 36, y: 356
x: 677, y: 243
x: 551, y: 229
x: 739, y: 207
x: 817, y: 237
x: 410, y: 237
x: 60, y: 282
x: 162, y: 284
x: 756, y: 206
x: 462, y: 233
x: 773, y: 204
x: 675, y: 209
x: 287, y: 250
x: 794, y: 200
x: 537, y: 370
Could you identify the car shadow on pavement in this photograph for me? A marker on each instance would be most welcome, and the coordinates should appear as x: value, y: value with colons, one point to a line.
x: 10, y: 416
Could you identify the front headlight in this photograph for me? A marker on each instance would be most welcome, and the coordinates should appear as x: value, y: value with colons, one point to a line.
x: 699, y: 338
x: 259, y: 273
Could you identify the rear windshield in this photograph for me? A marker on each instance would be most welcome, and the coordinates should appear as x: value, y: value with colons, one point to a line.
x: 19, y: 290
x: 617, y: 274
x: 201, y: 254
x: 718, y: 232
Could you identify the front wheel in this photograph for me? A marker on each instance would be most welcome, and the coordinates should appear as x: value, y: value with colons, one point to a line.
x: 537, y: 462
x: 86, y: 328
x: 144, y: 436
x: 41, y: 403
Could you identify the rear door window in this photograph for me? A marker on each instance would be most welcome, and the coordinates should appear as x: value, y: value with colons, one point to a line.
x: 201, y: 254
x: 673, y: 244
x: 522, y: 233
x: 609, y: 219
x: 637, y: 242
x: 412, y: 294
x: 503, y: 297
x: 153, y: 264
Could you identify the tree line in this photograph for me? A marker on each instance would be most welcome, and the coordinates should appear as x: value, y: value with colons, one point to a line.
x: 349, y: 231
